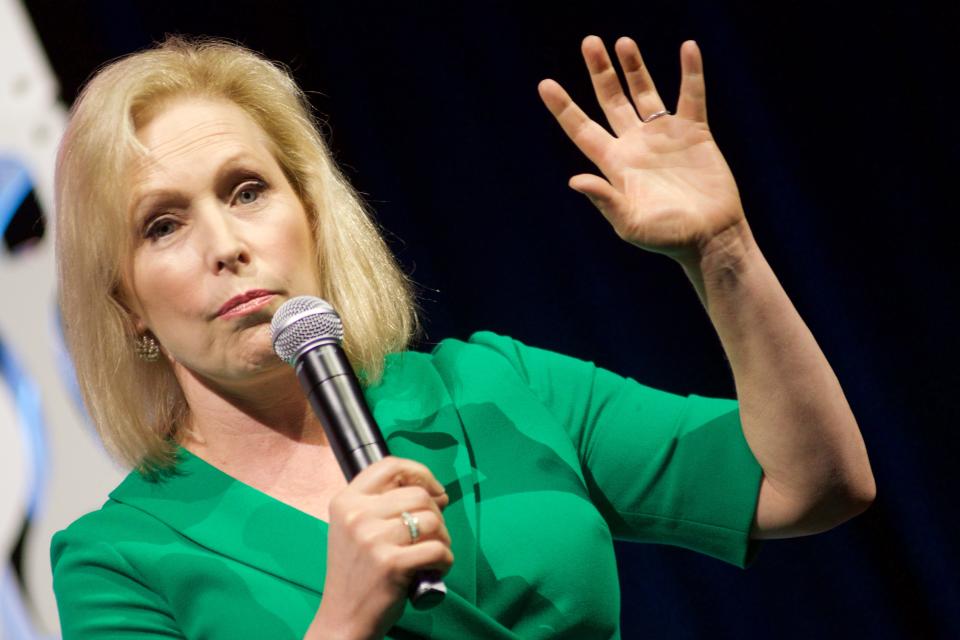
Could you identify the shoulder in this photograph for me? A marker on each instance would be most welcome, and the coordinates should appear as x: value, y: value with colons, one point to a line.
x: 488, y: 358
x: 494, y: 356
x: 91, y: 540
x: 99, y: 581
x: 482, y: 348
x: 484, y: 365
x: 476, y: 343
x: 481, y: 353
x: 104, y: 532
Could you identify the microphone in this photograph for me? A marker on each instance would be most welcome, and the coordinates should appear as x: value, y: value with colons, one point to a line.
x: 307, y: 333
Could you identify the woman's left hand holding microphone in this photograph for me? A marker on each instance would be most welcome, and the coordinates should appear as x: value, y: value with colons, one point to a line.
x: 385, y: 526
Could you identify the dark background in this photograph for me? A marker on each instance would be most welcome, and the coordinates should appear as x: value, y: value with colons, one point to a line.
x: 841, y: 127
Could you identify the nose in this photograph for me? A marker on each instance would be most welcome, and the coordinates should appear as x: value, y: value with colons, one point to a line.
x: 226, y: 248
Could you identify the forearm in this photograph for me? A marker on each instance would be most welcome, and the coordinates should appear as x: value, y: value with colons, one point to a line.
x: 795, y: 417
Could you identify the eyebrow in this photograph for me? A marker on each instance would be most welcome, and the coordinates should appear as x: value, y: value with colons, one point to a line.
x: 227, y: 167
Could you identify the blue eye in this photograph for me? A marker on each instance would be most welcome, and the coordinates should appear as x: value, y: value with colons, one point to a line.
x: 160, y: 228
x: 247, y: 196
x: 250, y: 192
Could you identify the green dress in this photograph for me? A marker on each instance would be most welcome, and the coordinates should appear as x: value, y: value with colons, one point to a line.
x: 546, y: 460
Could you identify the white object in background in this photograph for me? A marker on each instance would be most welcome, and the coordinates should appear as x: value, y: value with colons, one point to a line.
x: 78, y: 474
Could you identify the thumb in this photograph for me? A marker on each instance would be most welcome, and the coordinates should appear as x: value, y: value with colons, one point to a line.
x: 600, y: 192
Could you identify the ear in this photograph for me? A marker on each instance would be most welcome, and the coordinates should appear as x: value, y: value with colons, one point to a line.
x: 138, y: 324
x: 131, y: 308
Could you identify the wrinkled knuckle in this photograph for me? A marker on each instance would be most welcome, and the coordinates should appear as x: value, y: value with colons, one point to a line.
x: 422, y: 497
x: 383, y: 557
x: 417, y: 467
x: 419, y: 473
x: 366, y: 537
x: 348, y: 517
x: 429, y: 522
x: 353, y: 520
x: 387, y: 463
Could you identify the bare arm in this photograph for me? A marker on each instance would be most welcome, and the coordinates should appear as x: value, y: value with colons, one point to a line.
x: 667, y: 188
x: 794, y: 413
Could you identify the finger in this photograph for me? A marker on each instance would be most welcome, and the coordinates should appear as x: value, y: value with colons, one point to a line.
x: 589, y: 136
x: 392, y: 503
x: 639, y: 80
x: 427, y: 525
x: 693, y: 93
x: 606, y: 84
x: 432, y: 554
x: 392, y: 472
x: 602, y: 194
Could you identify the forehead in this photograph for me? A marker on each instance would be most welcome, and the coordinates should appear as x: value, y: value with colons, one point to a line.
x: 190, y: 135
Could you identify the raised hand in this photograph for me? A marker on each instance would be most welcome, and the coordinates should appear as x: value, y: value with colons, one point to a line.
x: 665, y: 185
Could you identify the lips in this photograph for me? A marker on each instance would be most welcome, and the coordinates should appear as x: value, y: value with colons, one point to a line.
x: 245, y: 303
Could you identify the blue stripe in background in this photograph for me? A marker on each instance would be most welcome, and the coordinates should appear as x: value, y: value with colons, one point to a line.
x: 15, y: 185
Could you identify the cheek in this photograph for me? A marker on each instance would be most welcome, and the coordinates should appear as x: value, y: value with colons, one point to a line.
x: 164, y: 285
x: 295, y: 244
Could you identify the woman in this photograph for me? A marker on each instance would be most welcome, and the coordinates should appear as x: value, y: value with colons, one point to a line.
x: 195, y: 196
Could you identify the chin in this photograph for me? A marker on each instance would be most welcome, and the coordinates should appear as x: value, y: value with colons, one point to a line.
x: 265, y: 361
x: 257, y: 352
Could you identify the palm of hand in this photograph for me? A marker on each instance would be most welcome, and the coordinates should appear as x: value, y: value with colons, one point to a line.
x: 667, y: 187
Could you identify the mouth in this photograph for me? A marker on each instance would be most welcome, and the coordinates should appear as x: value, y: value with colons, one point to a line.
x: 245, y: 303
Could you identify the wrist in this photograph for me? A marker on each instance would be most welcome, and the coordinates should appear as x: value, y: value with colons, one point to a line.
x: 722, y: 263
x: 326, y: 627
x: 726, y: 253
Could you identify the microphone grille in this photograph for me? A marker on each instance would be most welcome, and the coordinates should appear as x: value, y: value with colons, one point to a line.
x: 301, y: 323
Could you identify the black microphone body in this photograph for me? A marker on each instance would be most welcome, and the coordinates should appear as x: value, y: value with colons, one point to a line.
x: 334, y: 393
x: 307, y: 334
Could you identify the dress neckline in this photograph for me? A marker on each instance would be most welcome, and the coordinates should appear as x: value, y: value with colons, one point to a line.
x: 192, y: 461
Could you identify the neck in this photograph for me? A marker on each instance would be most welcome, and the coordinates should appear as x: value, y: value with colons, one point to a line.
x: 255, y: 420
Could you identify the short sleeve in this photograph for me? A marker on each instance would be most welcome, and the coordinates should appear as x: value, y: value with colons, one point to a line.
x: 660, y: 467
x: 100, y: 596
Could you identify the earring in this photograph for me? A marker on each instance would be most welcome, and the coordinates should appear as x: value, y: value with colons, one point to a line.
x: 147, y: 348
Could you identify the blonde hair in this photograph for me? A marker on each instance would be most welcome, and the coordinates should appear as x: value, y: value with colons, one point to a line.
x: 138, y: 406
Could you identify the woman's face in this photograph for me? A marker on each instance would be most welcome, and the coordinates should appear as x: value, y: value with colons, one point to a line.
x: 222, y: 240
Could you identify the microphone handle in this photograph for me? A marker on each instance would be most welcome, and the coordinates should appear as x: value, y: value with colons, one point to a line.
x: 335, y: 395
